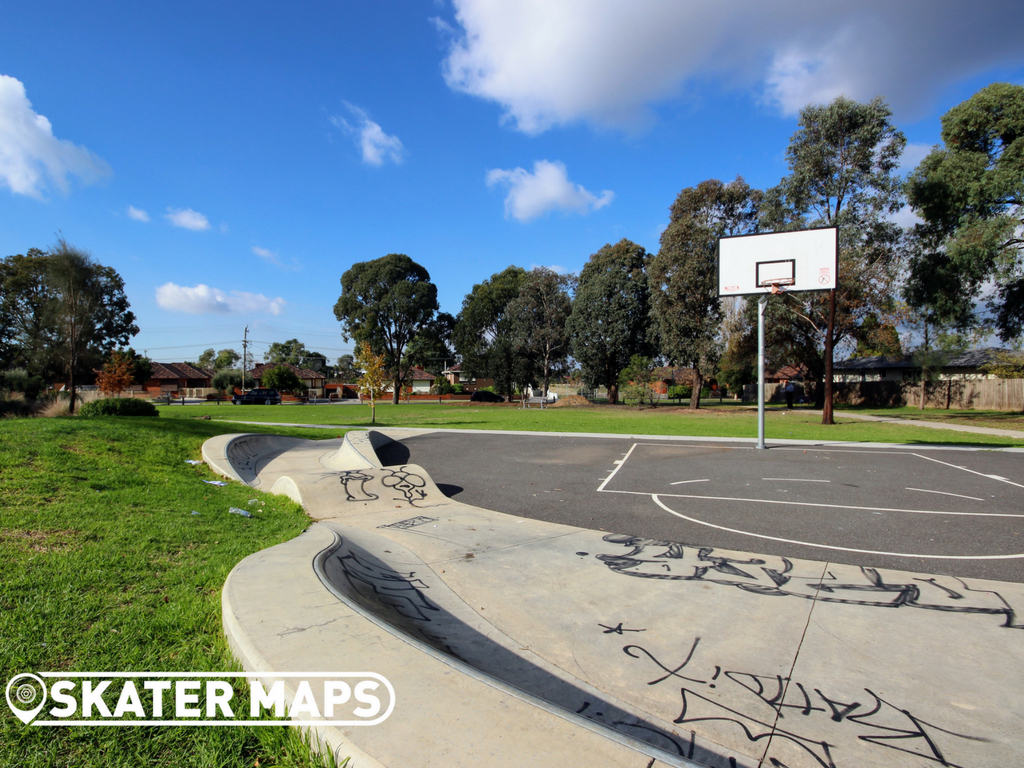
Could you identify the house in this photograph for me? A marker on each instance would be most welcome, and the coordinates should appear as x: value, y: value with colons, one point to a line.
x: 963, y: 366
x: 172, y: 378
x: 312, y: 381
x: 419, y: 381
x: 456, y: 375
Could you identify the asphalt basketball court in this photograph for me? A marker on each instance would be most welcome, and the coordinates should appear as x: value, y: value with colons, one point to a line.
x: 946, y: 511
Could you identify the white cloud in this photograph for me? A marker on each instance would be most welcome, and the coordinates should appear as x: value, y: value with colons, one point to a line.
x: 546, y: 189
x: 274, y: 258
x: 377, y: 147
x: 32, y: 159
x: 186, y: 218
x: 912, y: 156
x: 202, y: 299
x: 137, y: 213
x: 553, y: 267
x: 607, y: 62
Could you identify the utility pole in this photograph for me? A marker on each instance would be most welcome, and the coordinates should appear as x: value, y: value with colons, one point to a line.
x: 245, y: 355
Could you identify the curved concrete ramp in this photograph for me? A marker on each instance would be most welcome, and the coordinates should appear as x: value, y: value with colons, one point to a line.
x: 514, y: 642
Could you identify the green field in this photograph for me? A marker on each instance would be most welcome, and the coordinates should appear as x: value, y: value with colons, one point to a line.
x: 103, y: 566
x: 729, y: 420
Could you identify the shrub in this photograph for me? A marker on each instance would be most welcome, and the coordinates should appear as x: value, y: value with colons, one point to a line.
x: 281, y: 378
x: 680, y: 392
x: 13, y: 408
x: 119, y: 406
x: 227, y: 379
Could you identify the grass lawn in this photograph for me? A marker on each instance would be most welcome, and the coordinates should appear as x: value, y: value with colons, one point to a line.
x: 104, y: 567
x: 995, y: 419
x: 729, y: 420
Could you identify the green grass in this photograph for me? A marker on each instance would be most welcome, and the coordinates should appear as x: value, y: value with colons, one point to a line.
x: 103, y: 567
x: 995, y: 419
x: 728, y: 420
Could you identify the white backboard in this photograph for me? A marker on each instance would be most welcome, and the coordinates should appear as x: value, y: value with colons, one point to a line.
x: 805, y: 260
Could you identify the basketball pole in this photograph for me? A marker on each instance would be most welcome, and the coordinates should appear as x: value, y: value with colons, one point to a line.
x: 762, y: 302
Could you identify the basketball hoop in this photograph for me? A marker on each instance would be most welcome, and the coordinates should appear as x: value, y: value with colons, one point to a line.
x: 778, y: 288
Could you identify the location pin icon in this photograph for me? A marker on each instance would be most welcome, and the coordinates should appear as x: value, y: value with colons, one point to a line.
x: 22, y: 692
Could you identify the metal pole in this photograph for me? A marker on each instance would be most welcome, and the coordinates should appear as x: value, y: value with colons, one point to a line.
x: 762, y: 302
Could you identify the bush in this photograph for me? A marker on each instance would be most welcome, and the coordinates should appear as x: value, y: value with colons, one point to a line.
x: 118, y: 406
x: 680, y: 392
x: 281, y: 378
x: 13, y: 408
x: 227, y: 379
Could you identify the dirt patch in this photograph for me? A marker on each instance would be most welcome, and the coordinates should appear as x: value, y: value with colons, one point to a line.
x: 64, y: 540
x: 570, y: 401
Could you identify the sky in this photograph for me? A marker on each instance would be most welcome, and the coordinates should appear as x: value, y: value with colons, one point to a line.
x: 231, y: 160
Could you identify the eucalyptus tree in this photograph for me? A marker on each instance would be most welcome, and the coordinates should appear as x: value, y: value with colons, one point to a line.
x: 539, y: 317
x: 611, y: 315
x: 384, y: 303
x: 683, y: 275
x: 843, y: 165
x: 484, y: 335
x: 970, y: 193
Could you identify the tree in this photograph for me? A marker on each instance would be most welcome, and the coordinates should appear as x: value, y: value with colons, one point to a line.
x: 484, y: 336
x: 538, y: 318
x: 206, y: 359
x: 27, y: 335
x: 431, y: 347
x: 346, y: 370
x: 227, y: 379
x: 282, y: 378
x: 1007, y: 365
x: 843, y: 172
x: 970, y: 193
x: 385, y: 302
x: 637, y: 381
x: 684, y: 273
x: 611, y: 315
x: 226, y: 358
x: 877, y: 338
x: 291, y: 352
x: 87, y: 308
x: 371, y: 383
x: 117, y: 374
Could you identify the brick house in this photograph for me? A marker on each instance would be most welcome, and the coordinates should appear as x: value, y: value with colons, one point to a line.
x: 172, y: 378
x: 312, y: 381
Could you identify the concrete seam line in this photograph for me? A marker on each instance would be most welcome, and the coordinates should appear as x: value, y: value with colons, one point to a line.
x: 483, y: 677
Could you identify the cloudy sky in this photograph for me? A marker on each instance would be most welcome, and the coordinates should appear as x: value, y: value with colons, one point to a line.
x: 231, y: 160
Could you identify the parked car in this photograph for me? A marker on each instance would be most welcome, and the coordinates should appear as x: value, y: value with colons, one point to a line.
x: 483, y: 396
x: 258, y: 396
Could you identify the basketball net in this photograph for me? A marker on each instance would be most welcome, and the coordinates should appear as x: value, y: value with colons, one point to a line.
x: 777, y: 288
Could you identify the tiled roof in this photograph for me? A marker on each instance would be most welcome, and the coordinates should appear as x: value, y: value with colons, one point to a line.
x: 418, y: 374
x: 179, y: 371
x: 302, y: 373
x: 970, y: 358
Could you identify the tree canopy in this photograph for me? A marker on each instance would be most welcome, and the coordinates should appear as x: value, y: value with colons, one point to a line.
x: 843, y: 165
x: 970, y: 193
x: 683, y: 274
x: 60, y: 311
x: 385, y: 302
x: 538, y: 319
x: 611, y: 314
x: 291, y: 352
x: 484, y: 336
x: 280, y: 377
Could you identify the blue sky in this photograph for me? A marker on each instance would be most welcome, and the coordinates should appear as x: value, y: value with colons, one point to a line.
x: 231, y: 160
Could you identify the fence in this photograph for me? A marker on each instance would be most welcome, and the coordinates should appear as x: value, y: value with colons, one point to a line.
x: 965, y: 394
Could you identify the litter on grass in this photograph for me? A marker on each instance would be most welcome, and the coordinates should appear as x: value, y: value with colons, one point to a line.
x: 214, y: 482
x: 194, y: 512
x: 257, y: 501
x: 237, y: 511
x: 193, y: 462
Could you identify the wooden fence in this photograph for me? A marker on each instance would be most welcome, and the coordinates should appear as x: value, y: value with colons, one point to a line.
x: 964, y: 394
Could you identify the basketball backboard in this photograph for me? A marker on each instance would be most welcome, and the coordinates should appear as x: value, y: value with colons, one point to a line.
x: 804, y: 260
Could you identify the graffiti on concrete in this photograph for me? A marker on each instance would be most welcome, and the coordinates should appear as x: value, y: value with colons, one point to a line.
x: 777, y: 576
x: 412, y: 522
x: 353, y: 482
x: 785, y: 712
x: 409, y: 484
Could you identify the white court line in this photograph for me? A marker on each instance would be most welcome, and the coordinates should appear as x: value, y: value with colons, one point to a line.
x: 959, y: 496
x: 825, y: 506
x: 827, y: 546
x: 981, y: 474
x: 795, y: 480
x: 684, y: 482
x: 621, y: 463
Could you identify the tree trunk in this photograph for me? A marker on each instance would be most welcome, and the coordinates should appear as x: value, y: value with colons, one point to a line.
x: 826, y: 411
x: 72, y: 386
x: 819, y: 392
x: 396, y: 388
x: 924, y: 384
x: 613, y: 394
x: 697, y: 382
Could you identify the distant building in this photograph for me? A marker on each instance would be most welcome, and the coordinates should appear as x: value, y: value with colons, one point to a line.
x: 170, y: 378
x: 963, y: 366
x: 312, y: 381
x: 456, y: 375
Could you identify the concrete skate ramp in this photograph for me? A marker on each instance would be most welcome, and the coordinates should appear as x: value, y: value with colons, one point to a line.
x: 562, y: 646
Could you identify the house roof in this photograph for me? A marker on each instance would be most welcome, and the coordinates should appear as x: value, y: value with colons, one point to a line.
x: 179, y: 371
x: 969, y: 358
x: 302, y: 373
x: 454, y: 369
x: 418, y: 374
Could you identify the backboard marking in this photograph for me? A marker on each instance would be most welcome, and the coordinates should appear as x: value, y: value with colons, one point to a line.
x: 776, y: 273
x: 804, y: 260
